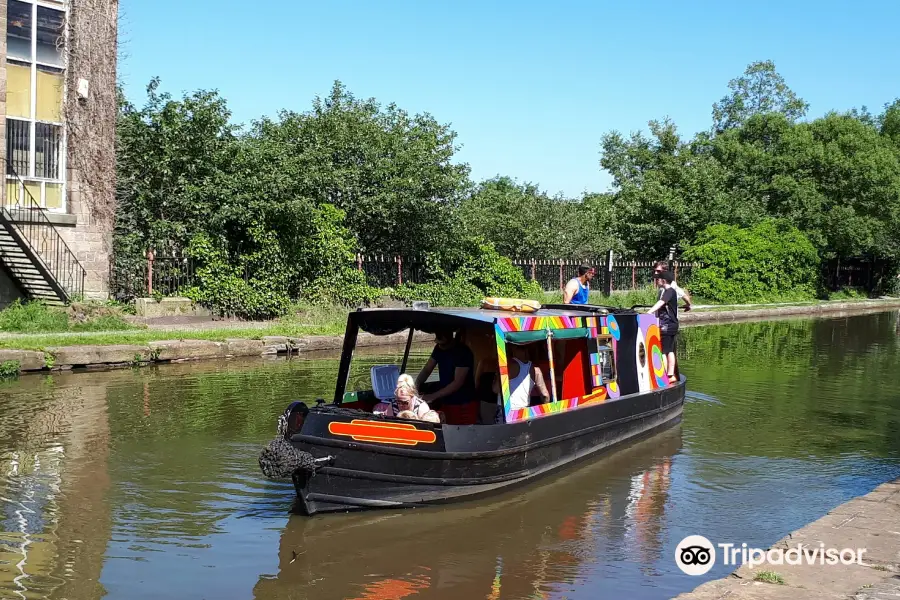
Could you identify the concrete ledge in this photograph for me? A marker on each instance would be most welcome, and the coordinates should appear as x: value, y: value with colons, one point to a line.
x: 711, y: 316
x: 58, y: 219
x: 76, y: 356
x: 29, y: 360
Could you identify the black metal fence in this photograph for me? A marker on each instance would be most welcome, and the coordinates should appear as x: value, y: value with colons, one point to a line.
x: 172, y: 275
x: 867, y: 275
x: 552, y: 274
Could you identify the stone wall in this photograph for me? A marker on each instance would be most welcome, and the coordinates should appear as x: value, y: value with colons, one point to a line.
x: 90, y: 128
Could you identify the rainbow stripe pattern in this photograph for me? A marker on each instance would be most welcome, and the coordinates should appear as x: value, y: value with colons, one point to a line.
x: 599, y: 326
x: 538, y: 323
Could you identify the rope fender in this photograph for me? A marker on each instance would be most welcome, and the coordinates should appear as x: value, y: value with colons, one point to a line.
x: 279, y: 460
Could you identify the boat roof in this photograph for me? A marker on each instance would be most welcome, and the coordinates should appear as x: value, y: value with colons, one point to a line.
x: 384, y: 321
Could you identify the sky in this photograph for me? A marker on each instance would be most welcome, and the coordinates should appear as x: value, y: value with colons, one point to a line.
x: 530, y: 87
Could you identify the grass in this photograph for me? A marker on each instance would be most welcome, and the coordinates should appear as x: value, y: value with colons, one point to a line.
x: 39, y: 324
x: 769, y: 577
x: 9, y: 368
x: 35, y: 317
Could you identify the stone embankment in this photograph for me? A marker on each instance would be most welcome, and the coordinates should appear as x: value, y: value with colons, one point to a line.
x: 184, y: 349
x: 128, y: 355
x: 870, y: 522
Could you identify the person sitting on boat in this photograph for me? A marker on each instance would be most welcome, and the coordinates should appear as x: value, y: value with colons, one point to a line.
x: 456, y: 368
x: 577, y: 290
x: 406, y: 403
x: 525, y: 380
x: 666, y: 310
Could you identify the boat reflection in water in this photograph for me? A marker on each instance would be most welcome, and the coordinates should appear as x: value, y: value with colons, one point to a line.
x: 534, y: 542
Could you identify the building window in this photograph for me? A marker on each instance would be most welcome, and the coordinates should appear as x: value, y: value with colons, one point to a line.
x: 35, y: 132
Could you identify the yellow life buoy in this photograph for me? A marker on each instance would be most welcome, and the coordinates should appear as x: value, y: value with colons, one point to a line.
x: 511, y: 304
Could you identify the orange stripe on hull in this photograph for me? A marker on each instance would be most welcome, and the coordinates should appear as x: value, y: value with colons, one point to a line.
x: 382, y: 433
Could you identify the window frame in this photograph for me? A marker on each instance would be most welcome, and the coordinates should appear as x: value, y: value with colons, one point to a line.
x: 33, y: 65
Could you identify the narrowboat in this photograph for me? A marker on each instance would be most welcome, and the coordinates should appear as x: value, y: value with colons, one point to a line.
x: 604, y: 376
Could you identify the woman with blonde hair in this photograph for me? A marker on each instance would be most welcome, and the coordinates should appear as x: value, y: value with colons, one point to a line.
x: 406, y: 403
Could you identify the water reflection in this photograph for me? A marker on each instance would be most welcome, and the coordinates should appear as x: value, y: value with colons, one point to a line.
x: 54, y: 522
x: 527, y: 542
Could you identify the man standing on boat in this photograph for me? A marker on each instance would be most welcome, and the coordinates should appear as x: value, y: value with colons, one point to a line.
x: 577, y: 290
x: 680, y: 293
x: 666, y: 310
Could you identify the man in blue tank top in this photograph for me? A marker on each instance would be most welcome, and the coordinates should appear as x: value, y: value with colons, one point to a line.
x: 577, y: 289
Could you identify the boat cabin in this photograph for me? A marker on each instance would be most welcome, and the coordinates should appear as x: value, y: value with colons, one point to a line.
x: 587, y: 354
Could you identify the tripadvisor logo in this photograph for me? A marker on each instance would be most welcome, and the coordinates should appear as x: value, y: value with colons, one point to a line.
x: 696, y: 555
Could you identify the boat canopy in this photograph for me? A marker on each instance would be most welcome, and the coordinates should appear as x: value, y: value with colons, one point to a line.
x: 387, y: 321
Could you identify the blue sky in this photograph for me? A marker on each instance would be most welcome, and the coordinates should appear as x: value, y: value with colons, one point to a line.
x: 530, y: 87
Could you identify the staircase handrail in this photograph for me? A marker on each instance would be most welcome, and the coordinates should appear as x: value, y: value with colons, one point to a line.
x: 56, y: 256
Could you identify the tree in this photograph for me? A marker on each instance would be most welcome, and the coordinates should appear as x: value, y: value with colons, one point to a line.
x: 836, y: 178
x: 667, y: 189
x: 169, y: 153
x: 393, y: 174
x: 760, y: 90
x: 889, y: 122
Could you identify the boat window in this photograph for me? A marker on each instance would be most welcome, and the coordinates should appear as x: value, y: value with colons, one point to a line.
x: 537, y: 353
x: 572, y: 367
x: 360, y: 377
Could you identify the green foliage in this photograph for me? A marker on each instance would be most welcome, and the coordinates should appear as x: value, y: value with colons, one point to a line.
x: 669, y: 190
x: 284, y: 204
x: 521, y: 220
x: 835, y: 178
x: 36, y: 317
x: 169, y: 155
x: 346, y: 287
x: 769, y: 577
x: 769, y: 261
x: 482, y: 272
x: 848, y: 294
x: 32, y: 317
x: 223, y: 288
x: 9, y: 368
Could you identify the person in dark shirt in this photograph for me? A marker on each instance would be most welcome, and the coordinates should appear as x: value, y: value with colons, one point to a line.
x: 666, y: 310
x: 456, y: 370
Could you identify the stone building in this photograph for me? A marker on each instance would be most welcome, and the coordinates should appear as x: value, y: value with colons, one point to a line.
x: 58, y: 102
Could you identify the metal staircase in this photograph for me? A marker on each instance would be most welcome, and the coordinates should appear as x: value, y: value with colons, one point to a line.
x: 33, y: 253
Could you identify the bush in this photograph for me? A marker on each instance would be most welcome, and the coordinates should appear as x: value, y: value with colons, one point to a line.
x: 346, y: 288
x: 768, y: 262
x: 483, y: 272
x: 223, y: 288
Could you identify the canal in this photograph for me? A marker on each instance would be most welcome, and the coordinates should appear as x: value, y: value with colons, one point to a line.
x: 143, y: 483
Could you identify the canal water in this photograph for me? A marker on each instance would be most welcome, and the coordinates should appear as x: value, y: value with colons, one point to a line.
x: 139, y: 484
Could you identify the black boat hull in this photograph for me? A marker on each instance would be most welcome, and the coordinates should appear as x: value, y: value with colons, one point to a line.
x: 467, y: 462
